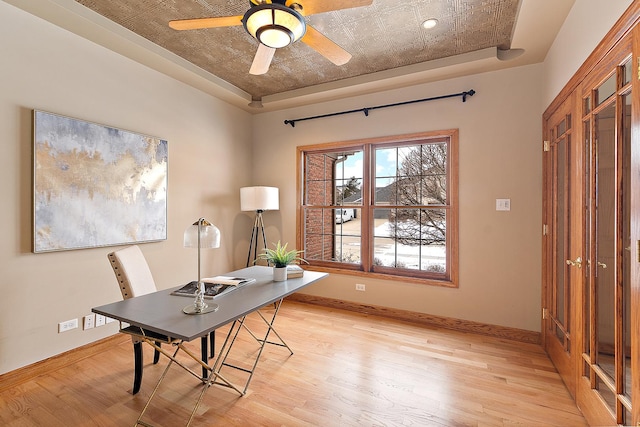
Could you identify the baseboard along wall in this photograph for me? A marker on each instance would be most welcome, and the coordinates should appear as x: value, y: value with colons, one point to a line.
x: 514, y: 334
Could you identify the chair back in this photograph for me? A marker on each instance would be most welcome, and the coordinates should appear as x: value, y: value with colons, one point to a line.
x: 132, y: 271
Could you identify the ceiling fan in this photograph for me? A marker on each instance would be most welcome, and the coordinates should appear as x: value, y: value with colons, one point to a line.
x: 279, y: 23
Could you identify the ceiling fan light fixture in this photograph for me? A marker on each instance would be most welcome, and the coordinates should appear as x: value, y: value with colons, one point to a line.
x: 274, y: 24
x: 274, y: 36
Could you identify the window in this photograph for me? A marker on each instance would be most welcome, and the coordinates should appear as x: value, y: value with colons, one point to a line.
x: 384, y: 206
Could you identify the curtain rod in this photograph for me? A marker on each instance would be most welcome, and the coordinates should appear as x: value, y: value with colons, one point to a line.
x: 367, y: 109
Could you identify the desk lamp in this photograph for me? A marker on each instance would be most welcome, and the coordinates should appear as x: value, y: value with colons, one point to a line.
x: 258, y: 199
x: 201, y: 234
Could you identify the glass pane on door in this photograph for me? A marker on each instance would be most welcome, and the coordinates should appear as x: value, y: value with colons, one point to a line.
x: 561, y: 209
x: 605, y: 217
x: 626, y: 244
x: 606, y: 90
x: 587, y: 294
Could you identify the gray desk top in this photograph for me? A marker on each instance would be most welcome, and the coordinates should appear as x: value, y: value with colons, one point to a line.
x: 161, y: 312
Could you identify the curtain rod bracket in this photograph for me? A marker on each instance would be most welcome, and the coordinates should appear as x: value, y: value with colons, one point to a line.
x: 366, y: 110
x: 470, y: 93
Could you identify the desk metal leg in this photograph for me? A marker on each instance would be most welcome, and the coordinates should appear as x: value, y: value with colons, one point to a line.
x: 205, y: 355
x: 212, y: 344
x: 213, y: 377
x: 233, y: 334
x: 155, y: 389
x: 282, y: 342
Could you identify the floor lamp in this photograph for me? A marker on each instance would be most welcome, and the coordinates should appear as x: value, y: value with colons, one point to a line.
x: 258, y: 199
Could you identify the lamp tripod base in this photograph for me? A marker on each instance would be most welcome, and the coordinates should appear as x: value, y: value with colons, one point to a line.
x: 191, y: 309
x: 258, y: 229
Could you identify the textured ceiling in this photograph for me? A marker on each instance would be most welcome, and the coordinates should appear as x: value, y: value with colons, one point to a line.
x: 385, y: 35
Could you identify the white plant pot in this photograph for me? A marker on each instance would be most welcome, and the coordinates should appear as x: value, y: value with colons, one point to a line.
x: 279, y: 274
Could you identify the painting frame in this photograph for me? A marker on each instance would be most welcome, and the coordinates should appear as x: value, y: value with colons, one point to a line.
x: 95, y: 185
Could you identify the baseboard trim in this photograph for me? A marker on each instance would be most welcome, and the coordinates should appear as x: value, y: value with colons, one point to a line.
x: 29, y: 372
x: 513, y: 334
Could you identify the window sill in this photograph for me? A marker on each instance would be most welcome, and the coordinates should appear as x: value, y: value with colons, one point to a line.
x: 443, y: 283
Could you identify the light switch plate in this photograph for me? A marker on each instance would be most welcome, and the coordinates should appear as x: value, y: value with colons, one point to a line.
x: 503, y: 204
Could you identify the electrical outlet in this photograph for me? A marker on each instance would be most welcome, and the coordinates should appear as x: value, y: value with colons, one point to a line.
x: 67, y: 325
x: 89, y: 321
x: 109, y: 319
x: 100, y: 320
x: 360, y: 287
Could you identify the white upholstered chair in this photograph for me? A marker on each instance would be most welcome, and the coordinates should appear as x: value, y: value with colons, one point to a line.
x: 132, y: 271
x: 135, y: 279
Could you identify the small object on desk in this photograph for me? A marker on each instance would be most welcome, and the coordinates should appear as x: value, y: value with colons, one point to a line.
x: 210, y: 289
x: 229, y: 280
x: 294, y: 270
x: 213, y: 286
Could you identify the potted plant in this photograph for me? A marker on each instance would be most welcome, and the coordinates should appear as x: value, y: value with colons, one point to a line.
x: 280, y: 257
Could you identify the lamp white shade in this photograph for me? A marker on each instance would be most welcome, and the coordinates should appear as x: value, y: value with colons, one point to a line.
x: 209, y: 235
x: 259, y: 199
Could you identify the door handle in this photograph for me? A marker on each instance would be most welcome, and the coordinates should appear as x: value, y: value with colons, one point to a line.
x: 577, y: 262
x: 602, y: 264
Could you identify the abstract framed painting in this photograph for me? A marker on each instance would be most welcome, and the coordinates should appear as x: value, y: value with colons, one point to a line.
x: 94, y: 185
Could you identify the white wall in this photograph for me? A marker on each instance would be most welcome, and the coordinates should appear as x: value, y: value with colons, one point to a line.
x: 585, y: 26
x: 46, y: 68
x: 500, y: 157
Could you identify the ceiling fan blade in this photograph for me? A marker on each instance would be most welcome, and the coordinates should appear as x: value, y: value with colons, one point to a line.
x: 262, y: 60
x: 325, y: 47
x: 309, y: 7
x: 198, y: 23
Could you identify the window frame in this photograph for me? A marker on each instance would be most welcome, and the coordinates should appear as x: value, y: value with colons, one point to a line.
x: 366, y: 267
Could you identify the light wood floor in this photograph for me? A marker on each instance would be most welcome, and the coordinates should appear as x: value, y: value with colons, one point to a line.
x: 348, y: 370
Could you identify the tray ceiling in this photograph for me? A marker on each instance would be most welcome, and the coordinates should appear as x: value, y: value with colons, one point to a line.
x: 389, y: 46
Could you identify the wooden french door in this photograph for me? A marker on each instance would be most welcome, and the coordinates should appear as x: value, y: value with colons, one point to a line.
x: 604, y: 382
x: 563, y: 244
x: 591, y: 264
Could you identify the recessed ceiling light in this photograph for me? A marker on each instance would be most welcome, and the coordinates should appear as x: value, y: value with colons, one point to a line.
x: 430, y: 23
